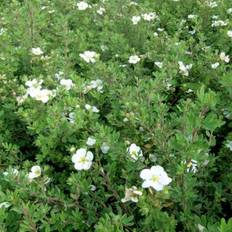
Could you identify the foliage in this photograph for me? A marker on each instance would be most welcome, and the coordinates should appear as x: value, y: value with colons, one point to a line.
x: 155, y: 90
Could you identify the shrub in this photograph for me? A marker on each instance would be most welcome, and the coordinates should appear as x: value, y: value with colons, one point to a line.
x: 115, y: 115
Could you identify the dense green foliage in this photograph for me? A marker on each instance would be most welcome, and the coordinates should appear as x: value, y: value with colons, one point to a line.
x: 165, y: 85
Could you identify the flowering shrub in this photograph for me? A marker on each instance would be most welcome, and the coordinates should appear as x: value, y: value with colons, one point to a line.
x: 116, y: 115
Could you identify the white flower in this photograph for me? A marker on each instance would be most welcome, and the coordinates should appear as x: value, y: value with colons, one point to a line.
x: 160, y: 29
x: 135, y: 19
x: 21, y: 99
x: 51, y: 11
x: 89, y: 56
x: 229, y: 145
x: 192, y: 166
x: 2, y: 30
x: 34, y: 83
x: 229, y: 33
x: 134, y: 59
x: 201, y: 228
x: 59, y: 75
x: 14, y: 171
x: 101, y: 10
x: 229, y: 11
x: 82, y: 5
x: 91, y: 108
x: 105, y: 148
x: 34, y: 90
x: 192, y: 16
x: 67, y: 83
x: 224, y: 57
x: 71, y: 117
x: 149, y: 16
x: 41, y: 94
x: 155, y: 34
x: 95, y: 84
x: 189, y: 91
x: 133, y: 3
x: 184, y: 69
x: 35, y: 172
x: 91, y: 141
x: 93, y: 187
x: 192, y: 32
x: 37, y: 51
x: 215, y: 65
x: 88, y: 107
x: 4, y: 205
x: 159, y: 64
x: 82, y: 159
x: 212, y: 4
x: 219, y: 23
x: 95, y: 109
x: 155, y: 177
x: 132, y: 194
x: 134, y: 151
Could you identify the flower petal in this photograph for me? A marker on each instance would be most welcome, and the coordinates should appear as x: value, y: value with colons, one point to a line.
x: 89, y: 155
x: 145, y: 174
x: 146, y: 184
x: 157, y: 186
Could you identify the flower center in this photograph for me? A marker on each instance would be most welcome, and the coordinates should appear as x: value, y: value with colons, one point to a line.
x: 37, y: 172
x: 82, y: 160
x: 155, y: 178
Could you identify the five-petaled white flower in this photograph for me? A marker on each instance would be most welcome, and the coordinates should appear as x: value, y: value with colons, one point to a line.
x: 134, y: 59
x: 82, y: 159
x: 132, y: 194
x: 35, y: 172
x: 91, y: 141
x: 42, y: 95
x: 67, y: 83
x: 13, y: 171
x: 135, y: 19
x: 101, y: 10
x: 105, y: 148
x: 4, y: 205
x: 37, y: 51
x: 159, y: 64
x: 229, y: 145
x: 229, y: 33
x: 155, y: 177
x: 184, y: 69
x: 149, y: 16
x: 82, y: 5
x: 91, y: 108
x: 95, y: 84
x: 89, y: 56
x: 35, y: 91
x: 134, y: 151
x: 215, y: 65
x: 224, y: 57
x: 191, y: 166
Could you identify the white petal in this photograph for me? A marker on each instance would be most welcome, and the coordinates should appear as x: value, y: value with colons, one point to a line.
x: 157, y: 170
x: 75, y: 158
x: 145, y: 174
x: 164, y: 179
x: 31, y: 175
x: 89, y: 155
x: 146, y: 184
x: 157, y: 186
x: 81, y: 152
x: 78, y: 166
x: 134, y: 199
x: 87, y: 165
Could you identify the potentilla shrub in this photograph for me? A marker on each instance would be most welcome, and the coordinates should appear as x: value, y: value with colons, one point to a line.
x: 115, y: 115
